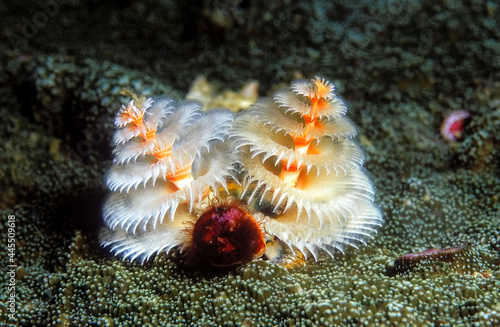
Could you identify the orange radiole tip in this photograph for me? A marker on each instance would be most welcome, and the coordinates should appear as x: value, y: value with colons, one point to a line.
x: 150, y: 134
x: 324, y: 89
x: 131, y: 114
x: 163, y: 152
x: 181, y: 177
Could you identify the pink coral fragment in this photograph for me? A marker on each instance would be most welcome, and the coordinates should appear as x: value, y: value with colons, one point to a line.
x: 454, y: 125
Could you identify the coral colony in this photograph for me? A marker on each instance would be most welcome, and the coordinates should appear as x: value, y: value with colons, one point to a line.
x: 283, y: 178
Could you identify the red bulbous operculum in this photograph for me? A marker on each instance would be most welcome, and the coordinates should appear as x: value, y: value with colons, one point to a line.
x: 226, y: 236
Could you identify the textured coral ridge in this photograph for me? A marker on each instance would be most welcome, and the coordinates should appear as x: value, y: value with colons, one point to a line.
x: 304, y: 171
x: 168, y: 159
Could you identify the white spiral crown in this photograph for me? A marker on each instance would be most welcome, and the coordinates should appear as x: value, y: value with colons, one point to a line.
x: 304, y: 170
x: 168, y: 158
